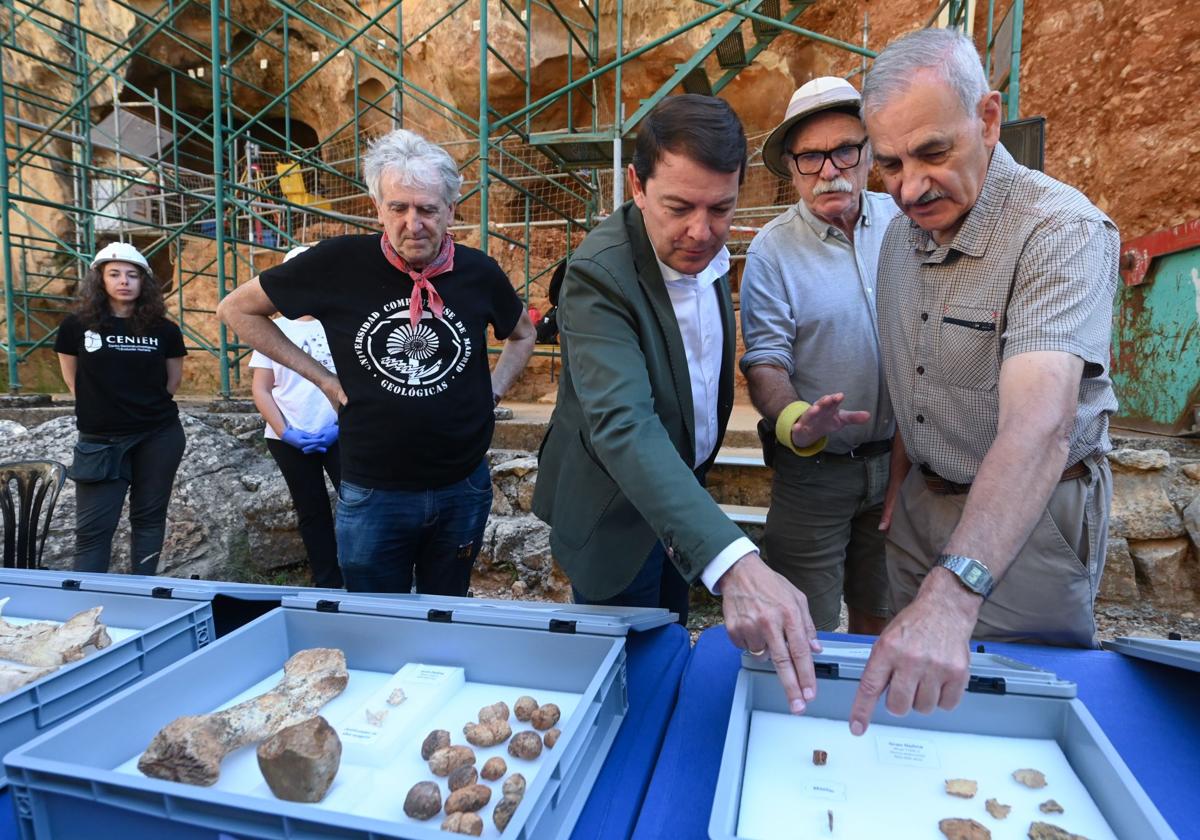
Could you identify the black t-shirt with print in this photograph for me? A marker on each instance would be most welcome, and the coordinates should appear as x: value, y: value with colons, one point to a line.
x: 121, y: 379
x: 419, y: 411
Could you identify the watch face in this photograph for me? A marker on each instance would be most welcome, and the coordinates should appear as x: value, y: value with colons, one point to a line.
x: 973, y: 575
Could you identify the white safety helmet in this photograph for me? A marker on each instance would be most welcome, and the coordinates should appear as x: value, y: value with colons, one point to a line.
x: 120, y: 252
x: 295, y: 252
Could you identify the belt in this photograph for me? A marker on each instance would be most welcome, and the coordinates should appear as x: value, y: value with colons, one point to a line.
x: 945, y: 487
x: 870, y: 449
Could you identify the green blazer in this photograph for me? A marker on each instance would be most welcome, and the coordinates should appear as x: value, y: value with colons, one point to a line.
x: 615, y: 468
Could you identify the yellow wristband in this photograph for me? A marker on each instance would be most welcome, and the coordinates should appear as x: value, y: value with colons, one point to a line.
x: 783, y: 429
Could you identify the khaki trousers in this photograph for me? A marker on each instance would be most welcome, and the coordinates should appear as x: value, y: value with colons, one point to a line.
x: 1048, y: 594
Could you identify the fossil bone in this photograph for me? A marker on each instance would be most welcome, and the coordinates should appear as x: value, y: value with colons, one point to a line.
x: 48, y: 644
x: 190, y: 748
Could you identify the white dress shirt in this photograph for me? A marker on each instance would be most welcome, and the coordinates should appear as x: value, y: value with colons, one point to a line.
x: 698, y: 311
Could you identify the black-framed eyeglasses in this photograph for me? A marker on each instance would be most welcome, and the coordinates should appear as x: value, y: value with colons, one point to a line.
x: 843, y: 157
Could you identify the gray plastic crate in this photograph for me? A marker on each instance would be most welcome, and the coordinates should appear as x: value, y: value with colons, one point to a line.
x: 168, y: 631
x: 61, y: 790
x: 1178, y: 653
x: 1006, y: 698
x: 233, y: 604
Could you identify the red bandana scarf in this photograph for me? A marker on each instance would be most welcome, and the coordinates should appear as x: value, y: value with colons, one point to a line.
x: 440, y: 264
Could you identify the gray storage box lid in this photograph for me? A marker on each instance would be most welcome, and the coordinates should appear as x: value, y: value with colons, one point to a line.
x: 532, y: 615
x: 1178, y: 653
x: 184, y: 589
x: 990, y: 672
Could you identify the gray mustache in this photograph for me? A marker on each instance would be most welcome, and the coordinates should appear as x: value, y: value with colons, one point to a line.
x: 837, y: 185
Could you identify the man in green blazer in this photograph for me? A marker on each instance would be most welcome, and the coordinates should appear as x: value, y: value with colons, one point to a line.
x: 647, y: 332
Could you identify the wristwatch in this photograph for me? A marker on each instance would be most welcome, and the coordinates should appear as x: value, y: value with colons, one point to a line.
x: 971, y: 573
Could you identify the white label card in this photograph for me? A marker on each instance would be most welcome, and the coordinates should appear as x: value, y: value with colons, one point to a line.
x: 906, y: 752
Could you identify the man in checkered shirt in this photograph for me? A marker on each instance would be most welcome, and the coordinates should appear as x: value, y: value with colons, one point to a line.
x: 995, y: 305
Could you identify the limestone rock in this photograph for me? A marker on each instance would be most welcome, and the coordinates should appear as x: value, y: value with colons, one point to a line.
x: 300, y: 762
x: 1139, y: 460
x: 522, y: 544
x: 11, y: 429
x: 217, y: 527
x: 190, y: 748
x: 1164, y: 572
x: 1192, y: 471
x: 1191, y: 521
x: 1141, y: 509
x: 1119, y: 581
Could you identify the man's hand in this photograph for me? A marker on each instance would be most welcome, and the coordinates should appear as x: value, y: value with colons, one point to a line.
x: 764, y: 612
x: 331, y: 387
x: 889, y: 500
x: 922, y: 659
x: 823, y: 417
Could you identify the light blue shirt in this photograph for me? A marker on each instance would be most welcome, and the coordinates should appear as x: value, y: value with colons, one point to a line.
x: 808, y: 306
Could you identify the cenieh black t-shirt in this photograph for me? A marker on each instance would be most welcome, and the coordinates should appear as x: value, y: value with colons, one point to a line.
x: 419, y: 414
x: 121, y: 379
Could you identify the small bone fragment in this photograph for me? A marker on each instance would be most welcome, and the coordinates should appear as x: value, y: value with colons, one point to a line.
x: 1048, y: 831
x: 963, y: 788
x: 545, y: 717
x: 503, y: 811
x: 526, y: 745
x: 190, y: 748
x: 448, y: 759
x: 301, y: 761
x: 960, y: 829
x: 461, y: 777
x: 463, y: 822
x: 47, y: 644
x: 820, y: 757
x: 514, y: 785
x: 496, y: 711
x: 1030, y: 778
x: 469, y: 798
x: 423, y: 801
x: 397, y: 696
x: 525, y: 707
x: 494, y: 768
x: 996, y: 809
x: 434, y: 741
x: 375, y: 717
x: 1050, y: 807
x: 551, y: 737
x: 487, y: 734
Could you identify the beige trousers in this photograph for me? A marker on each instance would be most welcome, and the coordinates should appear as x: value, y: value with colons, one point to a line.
x: 1048, y: 594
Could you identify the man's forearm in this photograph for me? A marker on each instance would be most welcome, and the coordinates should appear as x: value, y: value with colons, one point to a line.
x: 771, y: 390
x: 512, y: 361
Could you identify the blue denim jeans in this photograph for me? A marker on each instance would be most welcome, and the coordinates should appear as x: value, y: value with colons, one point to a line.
x: 388, y: 538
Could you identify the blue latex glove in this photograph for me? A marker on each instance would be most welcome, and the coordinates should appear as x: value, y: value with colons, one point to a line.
x: 322, y: 439
x: 298, y: 438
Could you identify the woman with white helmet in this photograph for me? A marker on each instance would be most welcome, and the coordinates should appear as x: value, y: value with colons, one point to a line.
x: 302, y: 433
x: 122, y: 359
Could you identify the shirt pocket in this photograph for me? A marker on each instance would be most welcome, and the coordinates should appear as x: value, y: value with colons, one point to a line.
x: 967, y: 348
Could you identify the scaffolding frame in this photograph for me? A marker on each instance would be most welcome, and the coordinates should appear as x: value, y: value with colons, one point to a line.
x: 234, y: 182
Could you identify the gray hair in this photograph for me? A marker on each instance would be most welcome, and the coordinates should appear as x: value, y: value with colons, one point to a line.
x: 417, y: 162
x: 947, y: 52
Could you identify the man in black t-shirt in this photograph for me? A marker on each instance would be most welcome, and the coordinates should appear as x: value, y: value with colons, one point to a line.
x: 406, y: 314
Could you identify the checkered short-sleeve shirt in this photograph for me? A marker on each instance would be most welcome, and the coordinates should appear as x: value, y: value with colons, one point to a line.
x: 1033, y: 267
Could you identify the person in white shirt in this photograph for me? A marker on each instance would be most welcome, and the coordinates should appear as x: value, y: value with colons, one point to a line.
x: 302, y: 433
x: 647, y: 332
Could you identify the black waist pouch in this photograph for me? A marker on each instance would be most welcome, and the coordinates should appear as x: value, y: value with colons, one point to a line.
x: 97, y: 460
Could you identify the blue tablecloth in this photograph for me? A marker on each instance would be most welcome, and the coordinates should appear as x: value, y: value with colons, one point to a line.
x: 655, y: 660
x: 1150, y: 712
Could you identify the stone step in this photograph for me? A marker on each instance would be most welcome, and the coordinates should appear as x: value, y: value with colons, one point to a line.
x: 746, y: 514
